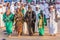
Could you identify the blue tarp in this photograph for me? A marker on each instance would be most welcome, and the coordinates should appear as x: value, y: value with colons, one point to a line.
x: 7, y: 0
x: 11, y: 0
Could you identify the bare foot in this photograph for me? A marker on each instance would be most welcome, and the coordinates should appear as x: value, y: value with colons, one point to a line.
x: 51, y: 35
x: 54, y: 34
x: 9, y: 36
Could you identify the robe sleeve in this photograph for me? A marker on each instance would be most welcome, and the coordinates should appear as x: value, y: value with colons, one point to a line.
x: 38, y: 19
x: 12, y: 17
x: 26, y: 16
x: 45, y: 20
x: 5, y: 17
x: 34, y: 16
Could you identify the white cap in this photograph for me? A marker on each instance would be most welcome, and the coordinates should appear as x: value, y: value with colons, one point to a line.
x: 13, y: 2
x: 18, y: 2
x: 51, y: 6
x: 37, y: 6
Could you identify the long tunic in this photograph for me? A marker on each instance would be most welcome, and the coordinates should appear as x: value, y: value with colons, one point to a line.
x: 36, y: 24
x: 8, y: 20
x: 18, y: 22
x: 1, y: 18
x: 41, y: 24
x: 30, y: 18
x: 53, y: 24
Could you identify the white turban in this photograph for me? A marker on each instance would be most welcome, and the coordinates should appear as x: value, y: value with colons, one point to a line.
x: 38, y: 6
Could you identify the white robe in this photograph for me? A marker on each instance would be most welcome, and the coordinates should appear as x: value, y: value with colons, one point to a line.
x: 41, y: 7
x: 36, y: 24
x: 33, y: 7
x: 1, y: 18
x: 34, y: 1
x: 23, y: 1
x: 25, y: 29
x: 53, y: 24
x: 26, y: 7
x: 12, y: 9
x: 4, y: 9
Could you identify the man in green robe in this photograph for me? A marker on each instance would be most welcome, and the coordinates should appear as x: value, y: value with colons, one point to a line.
x: 8, y: 19
x: 42, y: 23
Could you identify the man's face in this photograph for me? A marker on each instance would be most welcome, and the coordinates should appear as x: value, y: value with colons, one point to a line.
x: 51, y: 8
x: 36, y: 8
x: 8, y: 12
x: 18, y: 4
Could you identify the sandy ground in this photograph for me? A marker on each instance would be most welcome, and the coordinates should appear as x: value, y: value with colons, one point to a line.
x: 34, y: 37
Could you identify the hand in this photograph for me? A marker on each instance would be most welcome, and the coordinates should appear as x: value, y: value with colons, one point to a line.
x: 56, y: 20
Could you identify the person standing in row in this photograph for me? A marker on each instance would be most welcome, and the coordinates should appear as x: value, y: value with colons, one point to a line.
x: 8, y: 19
x: 53, y: 21
x: 42, y: 22
x: 1, y: 16
x: 37, y: 11
x: 18, y: 21
x: 30, y: 17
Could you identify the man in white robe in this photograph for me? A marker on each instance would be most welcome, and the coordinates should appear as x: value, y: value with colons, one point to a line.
x: 12, y: 8
x: 4, y: 10
x: 37, y: 11
x: 1, y: 16
x: 53, y: 23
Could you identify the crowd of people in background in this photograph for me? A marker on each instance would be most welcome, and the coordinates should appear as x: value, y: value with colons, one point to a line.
x: 28, y: 18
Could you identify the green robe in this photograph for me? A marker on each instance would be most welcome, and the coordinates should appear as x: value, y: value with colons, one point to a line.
x: 23, y: 11
x: 8, y: 20
x: 41, y: 28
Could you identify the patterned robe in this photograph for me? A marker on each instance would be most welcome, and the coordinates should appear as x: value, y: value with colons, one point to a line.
x: 8, y: 20
x: 41, y: 24
x: 30, y: 18
x: 18, y: 22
